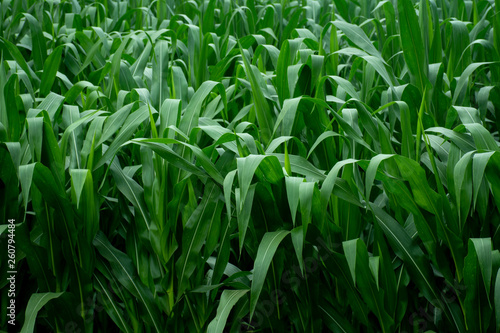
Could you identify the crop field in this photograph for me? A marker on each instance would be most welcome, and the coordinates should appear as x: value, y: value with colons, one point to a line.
x: 250, y: 166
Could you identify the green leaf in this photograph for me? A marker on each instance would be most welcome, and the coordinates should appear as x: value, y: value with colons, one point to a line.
x: 483, y: 248
x: 419, y: 268
x: 371, y: 171
x: 227, y: 301
x: 127, y: 130
x: 123, y: 269
x: 189, y: 120
x: 482, y: 138
x: 298, y: 236
x: 335, y: 321
x: 265, y: 254
x: 497, y: 300
x: 464, y: 77
x: 194, y: 236
x: 78, y: 179
x: 413, y: 46
x: 112, y: 307
x: 133, y: 192
x: 18, y: 57
x: 264, y: 116
x: 292, y: 191
x: 160, y: 89
x: 463, y: 186
x: 329, y: 183
x: 479, y: 162
x: 358, y: 37
x: 50, y: 68
x: 38, y: 44
x: 26, y: 178
x: 36, y: 302
x: 246, y: 170
x: 306, y: 193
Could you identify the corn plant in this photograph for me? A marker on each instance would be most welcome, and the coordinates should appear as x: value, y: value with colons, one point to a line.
x: 251, y: 165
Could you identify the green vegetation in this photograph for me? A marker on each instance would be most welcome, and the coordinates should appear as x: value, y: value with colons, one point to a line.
x: 251, y: 165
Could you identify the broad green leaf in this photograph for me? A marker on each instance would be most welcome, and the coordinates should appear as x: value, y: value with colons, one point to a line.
x: 36, y: 302
x: 246, y: 170
x: 497, y: 300
x: 306, y: 193
x: 112, y: 306
x: 243, y: 213
x: 477, y: 271
x: 14, y: 52
x: 132, y: 191
x: 463, y: 141
x: 463, y: 186
x: 227, y: 301
x: 50, y: 68
x: 127, y: 130
x: 413, y: 256
x: 413, y: 46
x: 265, y: 253
x: 189, y: 120
x: 329, y: 183
x: 483, y: 248
x: 358, y: 37
x: 479, y: 162
x: 78, y: 179
x: 482, y: 138
x: 114, y: 122
x: 164, y: 151
x: 263, y: 112
x: 123, y: 269
x: 298, y: 236
x: 160, y: 89
x: 293, y: 191
x: 464, y: 77
x: 371, y: 171
x: 52, y: 104
x: 194, y: 236
x: 335, y: 321
x: 26, y: 178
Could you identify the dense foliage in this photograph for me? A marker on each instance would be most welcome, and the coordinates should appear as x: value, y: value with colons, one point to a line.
x: 251, y: 165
